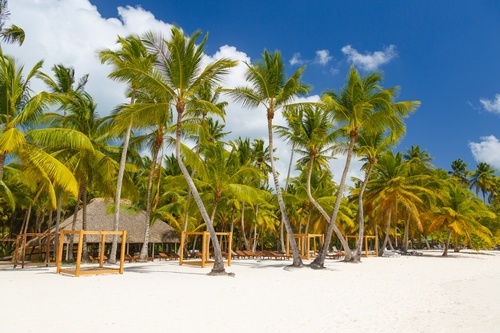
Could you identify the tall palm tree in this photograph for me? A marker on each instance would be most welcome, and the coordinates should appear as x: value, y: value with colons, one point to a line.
x: 92, y: 168
x: 12, y: 34
x: 361, y: 104
x: 293, y: 118
x: 132, y: 53
x: 64, y: 90
x: 370, y: 146
x: 178, y: 74
x: 483, y: 178
x: 460, y: 172
x: 269, y: 88
x: 315, y: 140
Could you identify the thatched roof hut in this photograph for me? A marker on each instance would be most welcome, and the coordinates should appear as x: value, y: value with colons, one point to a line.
x: 100, y: 217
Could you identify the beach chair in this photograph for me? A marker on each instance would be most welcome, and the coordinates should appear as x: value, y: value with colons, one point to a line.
x: 241, y: 254
x: 173, y: 255
x: 163, y: 256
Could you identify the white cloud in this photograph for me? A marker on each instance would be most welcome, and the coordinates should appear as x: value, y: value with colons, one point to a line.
x: 488, y: 150
x: 296, y: 59
x: 323, y: 57
x: 369, y: 61
x: 492, y: 106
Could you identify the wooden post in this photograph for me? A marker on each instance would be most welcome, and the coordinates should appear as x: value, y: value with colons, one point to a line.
x: 122, y: 252
x: 181, y: 250
x: 79, y: 253
x: 59, y: 252
x: 230, y: 249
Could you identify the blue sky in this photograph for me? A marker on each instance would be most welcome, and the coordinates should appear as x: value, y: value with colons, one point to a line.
x: 443, y: 53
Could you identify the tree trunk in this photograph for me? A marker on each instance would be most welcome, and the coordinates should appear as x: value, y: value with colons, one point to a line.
x: 2, y: 164
x: 361, y: 218
x: 387, y: 230
x: 319, y: 261
x: 143, y: 256
x: 243, y: 233
x: 218, y: 268
x: 297, y: 260
x: 85, y: 250
x: 447, y: 244
x: 58, y: 219
x: 118, y: 195
x: 406, y: 234
x: 69, y: 253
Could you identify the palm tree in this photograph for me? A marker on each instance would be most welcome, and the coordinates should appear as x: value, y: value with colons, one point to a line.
x: 460, y: 213
x: 12, y: 34
x: 315, y: 140
x: 483, y: 178
x: 417, y: 155
x: 393, y: 189
x: 92, y: 168
x: 271, y: 90
x: 178, y: 75
x: 460, y: 172
x: 63, y: 89
x: 370, y: 146
x: 132, y: 54
x: 361, y: 104
x: 19, y: 110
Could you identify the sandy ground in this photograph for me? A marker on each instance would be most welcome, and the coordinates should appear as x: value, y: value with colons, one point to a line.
x: 404, y: 294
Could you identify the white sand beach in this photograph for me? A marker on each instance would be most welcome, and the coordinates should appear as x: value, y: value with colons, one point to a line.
x: 404, y: 294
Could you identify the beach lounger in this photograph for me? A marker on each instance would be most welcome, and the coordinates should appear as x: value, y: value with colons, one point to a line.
x: 163, y: 256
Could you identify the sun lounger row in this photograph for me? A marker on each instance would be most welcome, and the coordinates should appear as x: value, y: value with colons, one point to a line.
x: 264, y: 254
x: 168, y: 256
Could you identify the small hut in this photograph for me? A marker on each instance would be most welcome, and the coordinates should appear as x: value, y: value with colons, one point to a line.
x: 100, y: 217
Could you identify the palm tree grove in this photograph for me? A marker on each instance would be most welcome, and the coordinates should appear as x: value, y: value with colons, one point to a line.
x: 166, y: 152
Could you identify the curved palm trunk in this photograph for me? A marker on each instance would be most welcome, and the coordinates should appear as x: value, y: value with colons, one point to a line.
x: 319, y: 261
x: 297, y: 260
x: 356, y: 257
x: 447, y: 244
x: 118, y: 195
x: 218, y: 268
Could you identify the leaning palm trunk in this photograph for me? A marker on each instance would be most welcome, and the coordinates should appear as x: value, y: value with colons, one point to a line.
x: 218, y: 268
x: 319, y: 261
x: 297, y: 260
x: 118, y: 194
x: 447, y: 244
x: 356, y: 257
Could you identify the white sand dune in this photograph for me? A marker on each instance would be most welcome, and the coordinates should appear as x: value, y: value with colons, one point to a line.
x: 405, y: 294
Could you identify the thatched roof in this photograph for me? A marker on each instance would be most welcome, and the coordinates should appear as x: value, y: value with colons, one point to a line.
x: 100, y: 217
